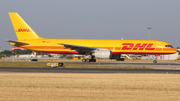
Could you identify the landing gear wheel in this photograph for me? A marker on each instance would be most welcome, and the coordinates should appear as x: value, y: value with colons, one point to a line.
x: 89, y: 60
x: 84, y: 60
x: 155, y: 61
x: 93, y: 60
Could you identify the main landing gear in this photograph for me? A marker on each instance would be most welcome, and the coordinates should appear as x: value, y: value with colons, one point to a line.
x: 88, y: 60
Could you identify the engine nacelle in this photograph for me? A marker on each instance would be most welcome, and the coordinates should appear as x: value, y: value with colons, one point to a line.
x: 102, y: 53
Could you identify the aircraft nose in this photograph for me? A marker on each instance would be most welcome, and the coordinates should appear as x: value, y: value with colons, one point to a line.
x: 174, y: 50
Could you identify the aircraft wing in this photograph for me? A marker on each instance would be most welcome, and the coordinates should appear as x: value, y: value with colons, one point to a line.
x: 78, y: 48
x: 21, y: 43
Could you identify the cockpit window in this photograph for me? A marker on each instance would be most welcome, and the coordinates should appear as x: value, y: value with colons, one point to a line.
x: 168, y: 46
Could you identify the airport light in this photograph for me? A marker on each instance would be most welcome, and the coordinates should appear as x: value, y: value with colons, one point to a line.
x: 149, y: 32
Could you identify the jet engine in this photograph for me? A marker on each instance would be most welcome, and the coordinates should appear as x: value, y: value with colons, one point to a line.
x: 102, y: 53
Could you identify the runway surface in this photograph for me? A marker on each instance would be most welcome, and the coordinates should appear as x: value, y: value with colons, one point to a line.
x: 160, y: 67
x: 126, y: 63
x: 82, y: 70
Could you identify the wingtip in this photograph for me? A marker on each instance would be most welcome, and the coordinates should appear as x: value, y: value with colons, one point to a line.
x: 12, y: 12
x: 7, y: 40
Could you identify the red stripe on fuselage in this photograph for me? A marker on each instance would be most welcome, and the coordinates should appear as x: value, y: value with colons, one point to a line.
x: 113, y: 53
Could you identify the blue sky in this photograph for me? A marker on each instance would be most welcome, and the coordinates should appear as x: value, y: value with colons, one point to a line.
x: 94, y: 19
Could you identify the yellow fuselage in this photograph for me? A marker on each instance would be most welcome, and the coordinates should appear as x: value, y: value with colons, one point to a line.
x: 28, y: 39
x: 116, y: 46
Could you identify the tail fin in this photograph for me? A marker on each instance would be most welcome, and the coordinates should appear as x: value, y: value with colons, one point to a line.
x: 33, y: 54
x: 22, y: 29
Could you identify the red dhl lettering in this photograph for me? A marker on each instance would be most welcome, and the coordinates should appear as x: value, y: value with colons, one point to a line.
x: 138, y: 46
x: 141, y: 47
x: 149, y: 47
x: 127, y: 46
x: 23, y: 30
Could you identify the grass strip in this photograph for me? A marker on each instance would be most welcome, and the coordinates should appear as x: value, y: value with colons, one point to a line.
x: 22, y: 64
x: 66, y: 65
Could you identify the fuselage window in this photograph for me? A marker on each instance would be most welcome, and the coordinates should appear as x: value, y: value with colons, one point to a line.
x: 168, y: 46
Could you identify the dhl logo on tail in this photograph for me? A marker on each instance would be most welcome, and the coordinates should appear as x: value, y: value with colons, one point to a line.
x: 23, y: 30
x: 138, y: 46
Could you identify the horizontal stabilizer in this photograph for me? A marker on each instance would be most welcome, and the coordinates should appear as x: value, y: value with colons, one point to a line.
x: 21, y: 43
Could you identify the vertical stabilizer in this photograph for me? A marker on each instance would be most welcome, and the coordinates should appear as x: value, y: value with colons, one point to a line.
x: 22, y: 29
x: 33, y: 54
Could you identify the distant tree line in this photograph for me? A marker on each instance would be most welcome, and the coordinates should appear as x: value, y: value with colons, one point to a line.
x: 7, y: 53
x: 177, y: 50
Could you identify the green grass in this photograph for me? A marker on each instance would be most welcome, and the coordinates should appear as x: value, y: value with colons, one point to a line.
x: 22, y: 64
x: 66, y: 65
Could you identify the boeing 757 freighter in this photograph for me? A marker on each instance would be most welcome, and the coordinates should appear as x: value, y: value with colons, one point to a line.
x: 90, y: 48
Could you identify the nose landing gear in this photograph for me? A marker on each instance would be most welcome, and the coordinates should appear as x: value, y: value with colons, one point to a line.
x: 156, y: 55
x: 155, y: 61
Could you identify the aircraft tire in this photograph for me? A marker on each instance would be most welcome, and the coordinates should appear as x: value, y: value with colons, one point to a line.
x: 33, y: 59
x: 93, y: 60
x: 84, y: 60
x: 89, y: 60
x: 155, y: 61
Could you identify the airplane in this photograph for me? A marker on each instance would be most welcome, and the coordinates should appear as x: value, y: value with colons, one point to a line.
x: 90, y: 48
x: 32, y: 55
